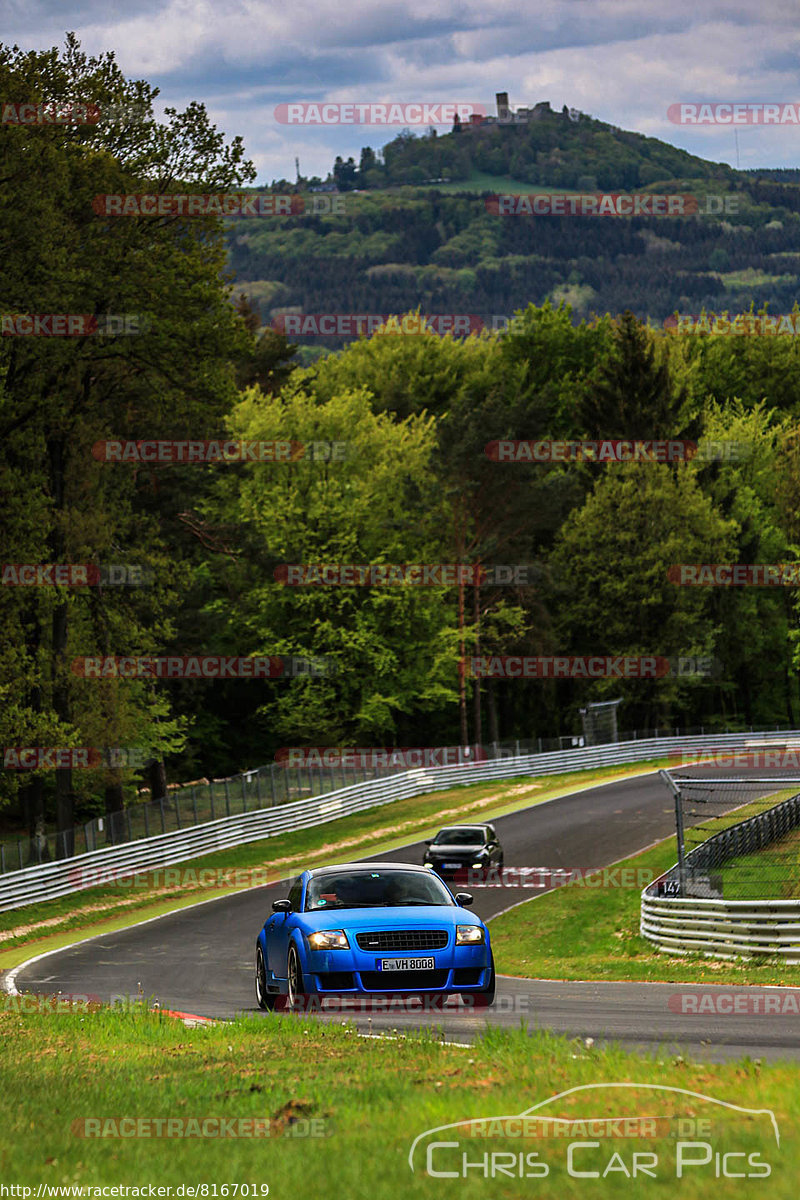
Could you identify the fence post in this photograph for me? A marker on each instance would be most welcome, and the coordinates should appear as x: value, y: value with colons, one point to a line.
x: 258, y: 789
x: 194, y: 804
x: 2, y: 859
x: 665, y: 776
x: 178, y: 811
x: 146, y: 822
x: 272, y: 785
x: 244, y: 793
x: 163, y: 822
x: 227, y: 798
x: 19, y: 852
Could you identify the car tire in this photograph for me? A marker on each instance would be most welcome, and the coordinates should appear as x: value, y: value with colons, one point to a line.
x: 294, y: 977
x: 263, y: 997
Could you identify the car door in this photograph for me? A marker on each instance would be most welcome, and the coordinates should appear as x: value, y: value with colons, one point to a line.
x: 278, y: 928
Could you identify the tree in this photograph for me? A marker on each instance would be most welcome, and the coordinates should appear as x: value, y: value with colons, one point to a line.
x: 631, y: 394
x: 612, y: 593
x: 394, y: 647
x: 63, y: 255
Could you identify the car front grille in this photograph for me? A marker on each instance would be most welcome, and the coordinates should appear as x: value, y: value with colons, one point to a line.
x: 403, y: 939
x: 406, y: 981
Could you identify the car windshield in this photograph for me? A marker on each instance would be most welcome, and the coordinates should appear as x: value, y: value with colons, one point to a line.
x: 375, y: 889
x: 460, y: 836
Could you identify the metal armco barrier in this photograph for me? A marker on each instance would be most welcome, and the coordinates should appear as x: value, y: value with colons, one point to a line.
x: 722, y: 928
x: 65, y: 876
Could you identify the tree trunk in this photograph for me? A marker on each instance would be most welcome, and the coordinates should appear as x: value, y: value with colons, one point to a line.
x: 491, y: 704
x: 476, y: 694
x: 157, y: 778
x: 462, y: 669
x: 65, y: 808
x: 32, y: 796
x: 33, y: 808
x: 115, y: 806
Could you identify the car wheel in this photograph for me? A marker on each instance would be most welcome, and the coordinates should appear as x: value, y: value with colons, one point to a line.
x: 265, y: 1000
x: 295, y: 976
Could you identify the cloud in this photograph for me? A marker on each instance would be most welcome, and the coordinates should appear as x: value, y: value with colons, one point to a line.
x: 624, y: 61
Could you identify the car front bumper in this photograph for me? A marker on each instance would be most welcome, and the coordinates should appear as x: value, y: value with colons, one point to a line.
x: 340, y: 972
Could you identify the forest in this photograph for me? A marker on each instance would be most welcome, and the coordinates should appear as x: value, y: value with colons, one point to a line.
x: 185, y: 557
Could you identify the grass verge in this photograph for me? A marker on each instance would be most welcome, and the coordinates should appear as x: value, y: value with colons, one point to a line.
x: 112, y: 906
x: 344, y: 1110
x: 580, y: 931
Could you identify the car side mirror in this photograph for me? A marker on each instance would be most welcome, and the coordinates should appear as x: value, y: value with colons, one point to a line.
x: 428, y: 841
x: 281, y: 906
x: 464, y: 899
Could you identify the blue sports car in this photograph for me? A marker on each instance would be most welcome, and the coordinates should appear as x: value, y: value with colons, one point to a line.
x: 373, y: 928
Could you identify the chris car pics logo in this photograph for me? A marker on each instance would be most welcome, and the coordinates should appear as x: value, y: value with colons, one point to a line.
x: 605, y: 1131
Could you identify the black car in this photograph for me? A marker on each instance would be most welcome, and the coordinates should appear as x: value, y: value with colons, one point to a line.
x: 464, y: 852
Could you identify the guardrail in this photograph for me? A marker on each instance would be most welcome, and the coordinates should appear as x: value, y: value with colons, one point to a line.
x: 205, y: 800
x: 65, y: 876
x: 714, y: 926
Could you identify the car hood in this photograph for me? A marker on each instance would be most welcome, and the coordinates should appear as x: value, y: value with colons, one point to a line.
x: 418, y: 916
x: 443, y: 848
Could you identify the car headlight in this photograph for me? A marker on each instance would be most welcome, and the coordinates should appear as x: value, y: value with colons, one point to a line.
x: 328, y: 939
x: 480, y: 863
x: 469, y: 935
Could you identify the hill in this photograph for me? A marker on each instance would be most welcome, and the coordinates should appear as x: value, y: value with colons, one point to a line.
x: 399, y: 243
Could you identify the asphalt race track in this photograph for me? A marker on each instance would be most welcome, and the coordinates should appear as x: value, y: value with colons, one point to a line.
x: 200, y: 960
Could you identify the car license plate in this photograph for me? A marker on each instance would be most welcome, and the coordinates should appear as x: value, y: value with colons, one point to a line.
x: 452, y: 866
x: 407, y: 964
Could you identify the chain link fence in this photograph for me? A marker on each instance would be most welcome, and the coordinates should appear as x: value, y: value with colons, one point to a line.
x: 738, y: 839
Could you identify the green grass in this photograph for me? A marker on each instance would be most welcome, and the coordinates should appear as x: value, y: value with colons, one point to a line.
x: 771, y: 873
x: 369, y: 1098
x: 104, y: 909
x: 583, y: 932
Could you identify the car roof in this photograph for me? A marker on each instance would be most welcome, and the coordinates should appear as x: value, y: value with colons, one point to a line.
x: 367, y: 866
x: 463, y: 825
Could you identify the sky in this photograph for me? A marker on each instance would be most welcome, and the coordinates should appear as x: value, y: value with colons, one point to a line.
x: 622, y: 61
